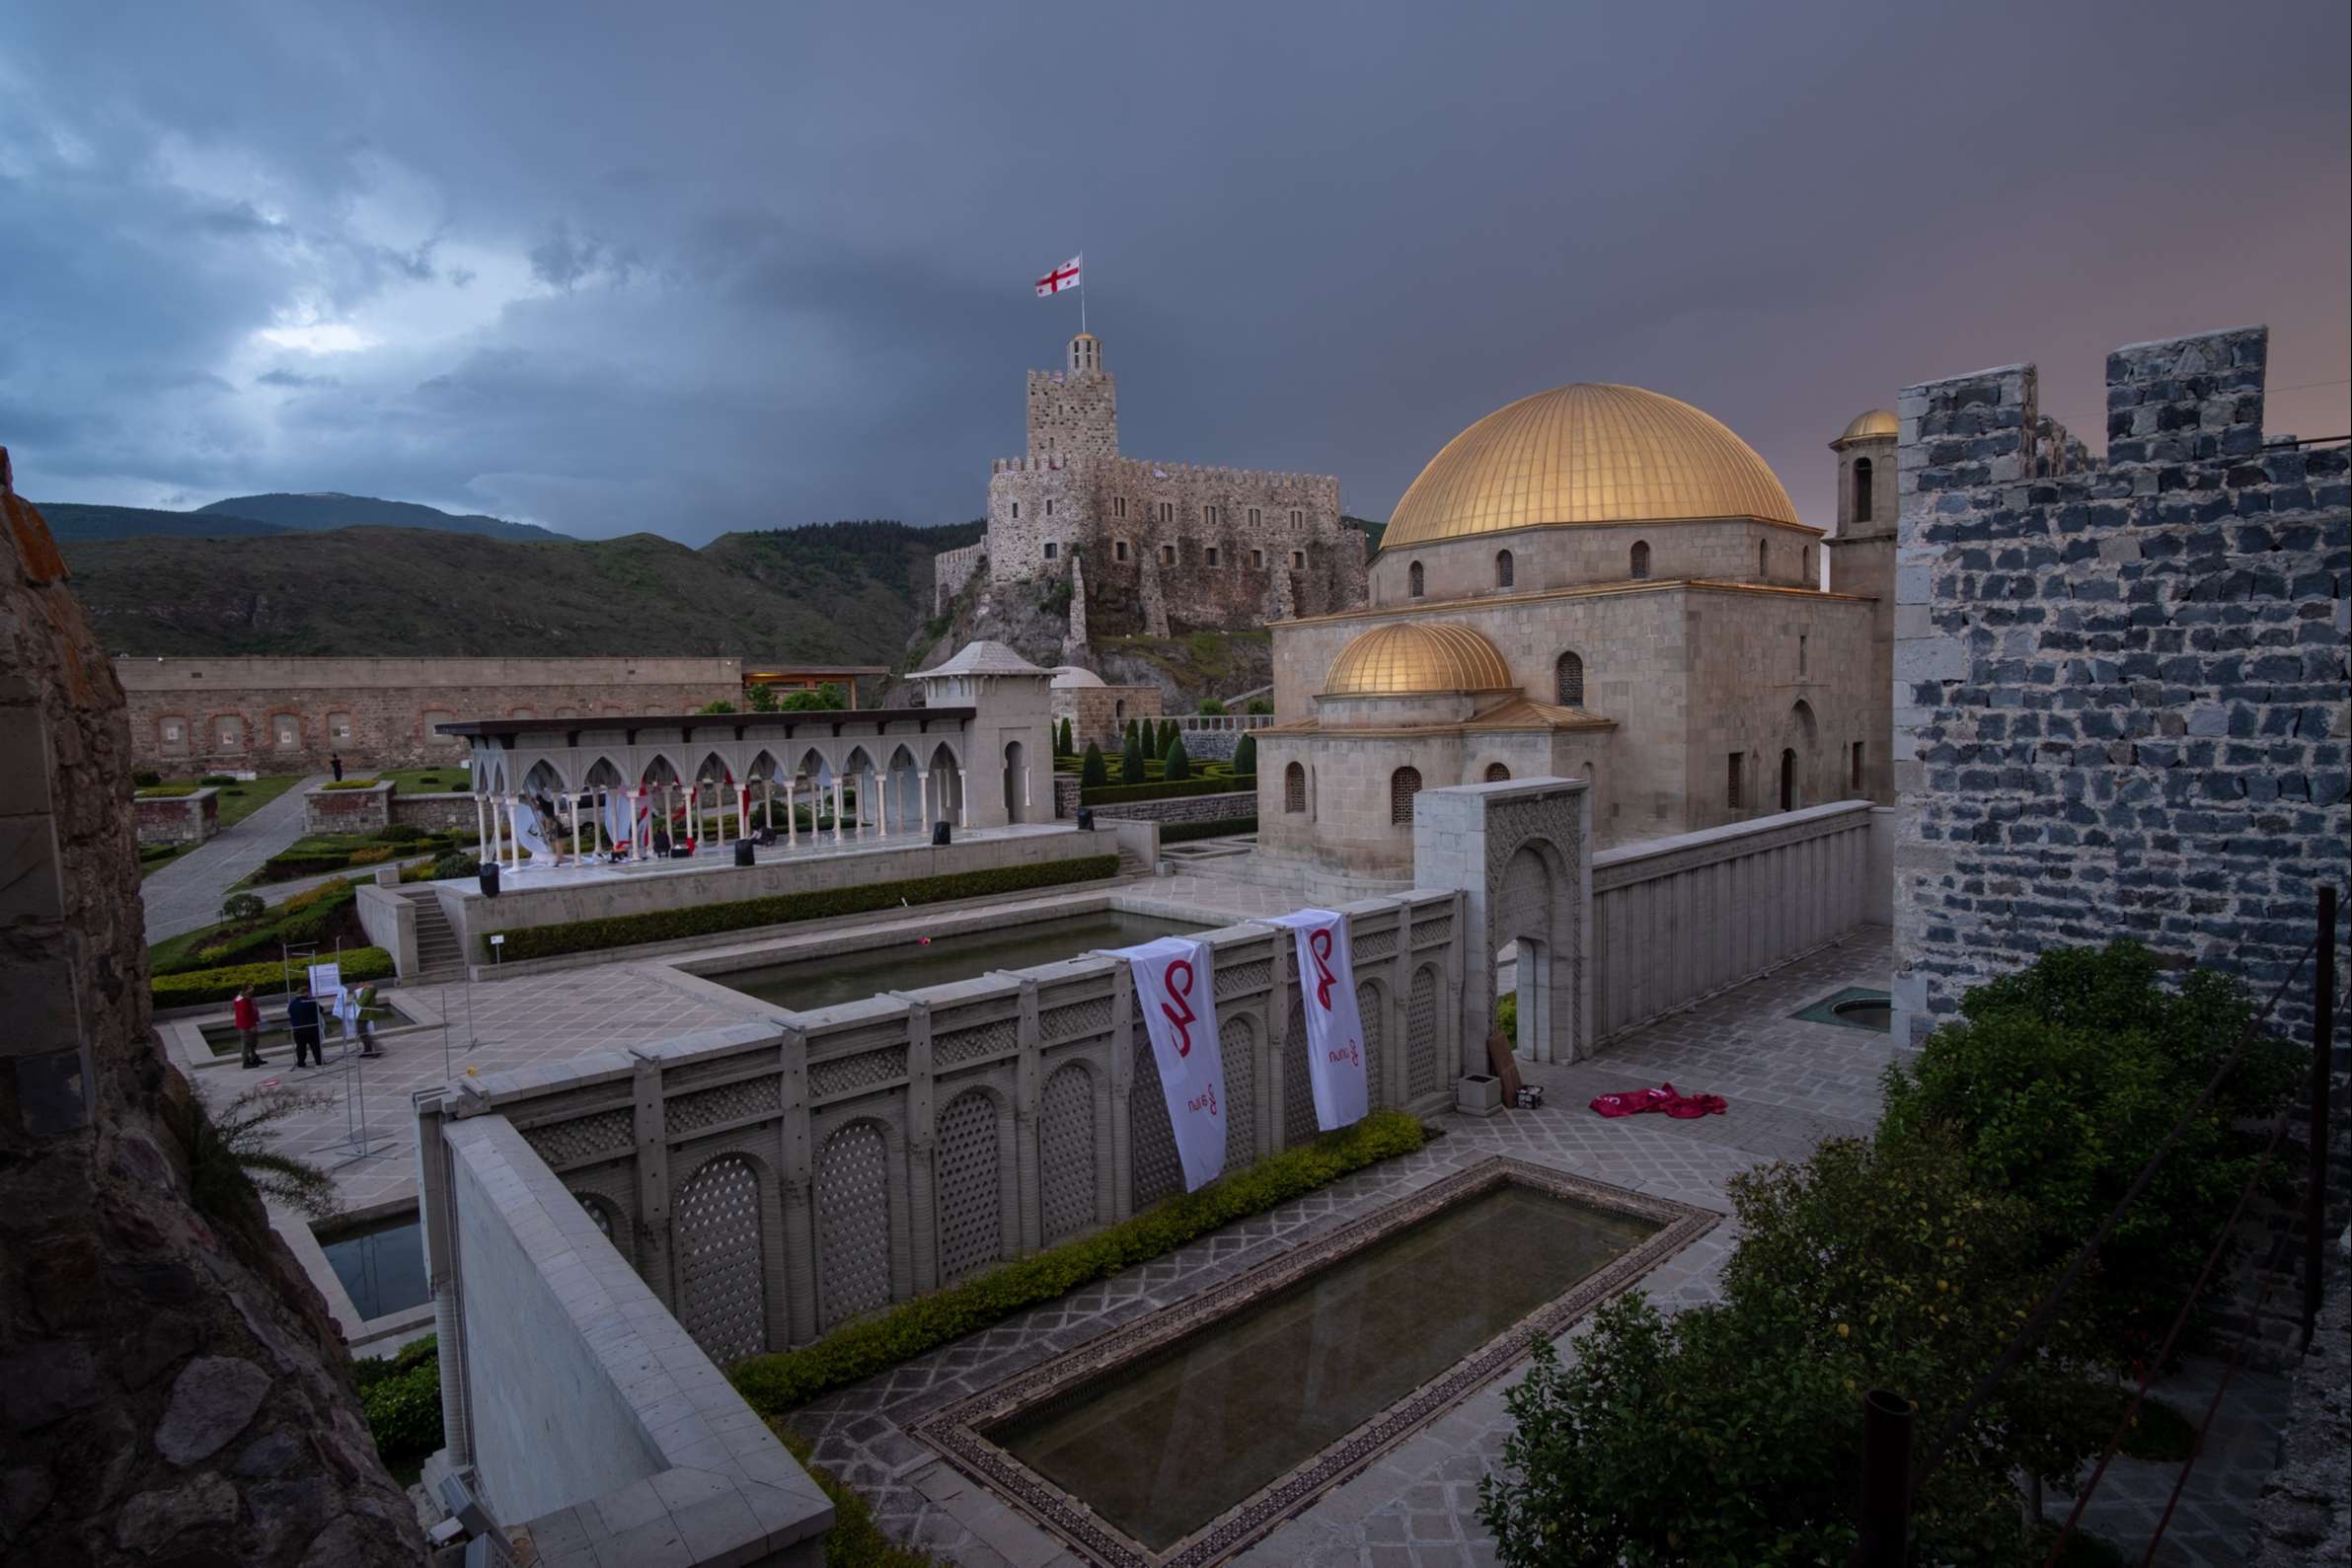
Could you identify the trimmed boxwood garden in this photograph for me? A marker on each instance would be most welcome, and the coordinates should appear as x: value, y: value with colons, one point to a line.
x: 192, y: 987
x: 773, y: 1384
x: 1215, y: 784
x: 1214, y: 828
x: 783, y: 909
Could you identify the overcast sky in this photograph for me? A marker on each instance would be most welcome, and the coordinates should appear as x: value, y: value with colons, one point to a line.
x: 692, y: 269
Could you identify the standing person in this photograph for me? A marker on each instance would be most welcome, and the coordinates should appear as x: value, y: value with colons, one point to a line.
x: 336, y: 761
x: 249, y: 1027
x: 363, y: 999
x: 302, y: 1017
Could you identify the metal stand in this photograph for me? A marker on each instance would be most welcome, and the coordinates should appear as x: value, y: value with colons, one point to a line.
x: 359, y: 1143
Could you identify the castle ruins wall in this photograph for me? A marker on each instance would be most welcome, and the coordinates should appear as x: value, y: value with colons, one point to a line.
x: 2120, y: 702
x: 195, y: 715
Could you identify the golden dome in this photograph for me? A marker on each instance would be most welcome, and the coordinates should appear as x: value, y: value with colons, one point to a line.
x: 1408, y: 657
x: 1876, y: 422
x: 1587, y: 453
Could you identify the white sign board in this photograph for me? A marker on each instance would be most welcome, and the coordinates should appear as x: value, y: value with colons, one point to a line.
x: 1335, y: 1043
x: 1175, y: 991
x: 326, y: 980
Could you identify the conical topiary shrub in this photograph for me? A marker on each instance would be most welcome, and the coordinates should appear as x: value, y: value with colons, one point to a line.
x: 1245, y: 756
x: 1092, y: 770
x: 1173, y: 764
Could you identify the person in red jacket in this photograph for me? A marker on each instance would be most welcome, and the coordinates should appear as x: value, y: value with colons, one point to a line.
x: 249, y: 1027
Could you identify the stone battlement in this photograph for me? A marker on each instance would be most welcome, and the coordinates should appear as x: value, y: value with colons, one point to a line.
x: 1143, y: 468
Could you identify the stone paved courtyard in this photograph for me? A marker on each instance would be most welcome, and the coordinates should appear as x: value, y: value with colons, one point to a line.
x: 1789, y: 1083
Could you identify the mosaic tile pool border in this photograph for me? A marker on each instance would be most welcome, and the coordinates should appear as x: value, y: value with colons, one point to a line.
x: 957, y: 1431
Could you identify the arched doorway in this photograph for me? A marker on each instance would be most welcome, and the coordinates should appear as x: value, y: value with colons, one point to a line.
x: 1787, y: 781
x: 1016, y: 773
x: 1527, y: 910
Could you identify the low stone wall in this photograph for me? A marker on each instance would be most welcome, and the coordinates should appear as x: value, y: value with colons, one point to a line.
x: 1183, y: 808
x: 715, y: 879
x: 436, y: 813
x: 866, y: 1152
x: 177, y: 819
x: 368, y: 810
x: 389, y: 916
x: 590, y: 1416
x: 1681, y: 918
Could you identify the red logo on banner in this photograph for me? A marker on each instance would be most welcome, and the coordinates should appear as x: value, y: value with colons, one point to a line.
x: 1180, y: 1014
x: 1320, y: 944
x: 1347, y: 1053
x: 1205, y: 1100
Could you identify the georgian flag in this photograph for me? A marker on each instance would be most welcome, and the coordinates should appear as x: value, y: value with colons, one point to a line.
x: 1061, y: 278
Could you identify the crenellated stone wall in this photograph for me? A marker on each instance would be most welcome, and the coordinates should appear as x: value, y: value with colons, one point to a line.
x: 2120, y: 688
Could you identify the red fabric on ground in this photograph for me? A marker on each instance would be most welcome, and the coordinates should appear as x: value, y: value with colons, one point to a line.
x: 1682, y: 1107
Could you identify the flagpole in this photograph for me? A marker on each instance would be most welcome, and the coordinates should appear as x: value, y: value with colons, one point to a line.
x: 1082, y: 292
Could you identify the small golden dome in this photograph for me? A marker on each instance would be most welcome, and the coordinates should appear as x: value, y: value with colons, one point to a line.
x: 1587, y: 453
x: 1876, y: 422
x: 1408, y: 657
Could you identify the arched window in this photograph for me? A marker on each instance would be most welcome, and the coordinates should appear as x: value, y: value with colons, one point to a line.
x: 1787, y: 781
x: 1496, y: 773
x: 1502, y: 569
x: 1412, y: 580
x: 1569, y: 677
x: 1763, y: 558
x: 1640, y: 559
x: 1861, y: 489
x: 1404, y: 784
x: 1118, y: 710
x: 1294, y: 788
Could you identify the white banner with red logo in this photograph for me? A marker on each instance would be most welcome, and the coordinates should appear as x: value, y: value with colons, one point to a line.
x: 1175, y: 992
x: 1335, y: 1043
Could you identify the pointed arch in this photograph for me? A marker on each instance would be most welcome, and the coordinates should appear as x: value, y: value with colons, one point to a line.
x: 546, y: 777
x: 602, y: 774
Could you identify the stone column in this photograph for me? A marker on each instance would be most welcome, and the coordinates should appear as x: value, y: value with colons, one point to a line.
x: 923, y: 798
x: 837, y: 808
x: 881, y: 803
x: 481, y: 826
x: 799, y: 1189
x: 575, y: 854
x: 963, y: 798
x: 651, y: 1120
x: 921, y: 1146
x: 791, y: 814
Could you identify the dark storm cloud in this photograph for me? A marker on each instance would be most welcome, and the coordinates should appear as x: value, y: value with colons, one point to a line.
x: 583, y: 265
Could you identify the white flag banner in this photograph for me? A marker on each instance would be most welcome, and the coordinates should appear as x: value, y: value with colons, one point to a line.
x: 1175, y: 990
x: 616, y: 826
x: 526, y: 831
x: 1061, y: 278
x: 1335, y: 1043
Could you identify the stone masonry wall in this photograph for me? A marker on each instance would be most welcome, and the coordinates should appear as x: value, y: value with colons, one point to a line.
x: 177, y: 819
x: 175, y: 1390
x: 291, y: 714
x: 2120, y: 690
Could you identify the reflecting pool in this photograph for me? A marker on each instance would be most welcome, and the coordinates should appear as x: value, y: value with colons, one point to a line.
x: 1162, y: 1446
x: 381, y: 1264
x: 806, y: 984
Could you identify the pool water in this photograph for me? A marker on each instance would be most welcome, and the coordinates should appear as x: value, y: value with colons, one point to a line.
x: 1162, y: 1446
x: 381, y: 1264
x: 810, y: 983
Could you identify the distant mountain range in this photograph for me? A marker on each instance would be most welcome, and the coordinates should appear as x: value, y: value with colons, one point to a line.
x: 848, y: 593
x: 251, y: 516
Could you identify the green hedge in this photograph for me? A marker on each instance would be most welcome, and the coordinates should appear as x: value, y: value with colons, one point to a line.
x: 194, y: 986
x: 401, y: 1397
x: 775, y: 1384
x: 1214, y: 828
x: 783, y: 909
x: 168, y: 791
x: 1113, y: 794
x: 351, y: 783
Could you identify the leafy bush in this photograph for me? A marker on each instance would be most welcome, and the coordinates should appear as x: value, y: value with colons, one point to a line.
x: 1210, y: 707
x: 775, y: 1384
x: 216, y: 779
x: 1163, y: 790
x: 456, y: 862
x: 400, y: 833
x: 145, y: 780
x: 401, y: 1397
x: 717, y: 705
x: 233, y: 1162
x: 1214, y: 828
x: 1245, y: 756
x: 194, y: 985
x: 1093, y: 771
x: 1506, y: 1015
x: 781, y: 909
x: 854, y: 1540
x: 375, y: 857
x: 334, y: 890
x: 1260, y: 704
x: 2061, y: 1079
x: 242, y: 906
x: 1864, y: 1267
x: 1175, y: 765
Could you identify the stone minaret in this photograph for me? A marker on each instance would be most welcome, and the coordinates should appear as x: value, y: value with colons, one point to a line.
x: 1862, y: 561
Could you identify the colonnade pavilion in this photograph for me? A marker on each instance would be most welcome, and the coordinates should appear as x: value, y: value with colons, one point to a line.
x: 977, y: 754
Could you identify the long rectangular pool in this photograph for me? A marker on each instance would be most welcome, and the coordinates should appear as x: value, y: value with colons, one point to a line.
x: 1163, y: 1445
x: 806, y: 984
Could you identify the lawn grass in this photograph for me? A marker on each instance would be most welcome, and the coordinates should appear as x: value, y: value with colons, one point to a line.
x: 243, y: 798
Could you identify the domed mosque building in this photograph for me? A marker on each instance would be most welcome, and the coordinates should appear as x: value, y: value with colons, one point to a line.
x: 1596, y: 582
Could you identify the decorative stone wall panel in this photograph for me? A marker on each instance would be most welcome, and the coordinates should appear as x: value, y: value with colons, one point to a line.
x: 722, y: 1295
x: 853, y: 1212
x: 1157, y: 1173
x: 1066, y: 1168
x: 972, y: 1211
x: 846, y: 1075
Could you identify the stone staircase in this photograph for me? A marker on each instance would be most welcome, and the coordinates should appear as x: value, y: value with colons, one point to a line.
x: 1132, y: 864
x: 437, y: 954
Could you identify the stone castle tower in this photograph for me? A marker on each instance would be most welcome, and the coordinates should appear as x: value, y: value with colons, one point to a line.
x: 1168, y: 547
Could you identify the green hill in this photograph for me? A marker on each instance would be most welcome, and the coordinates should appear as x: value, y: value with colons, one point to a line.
x: 329, y: 509
x: 72, y: 520
x: 849, y: 592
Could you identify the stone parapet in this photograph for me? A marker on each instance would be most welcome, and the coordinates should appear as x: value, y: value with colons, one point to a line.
x: 1184, y: 808
x: 177, y: 819
x: 332, y: 811
x: 2119, y: 689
